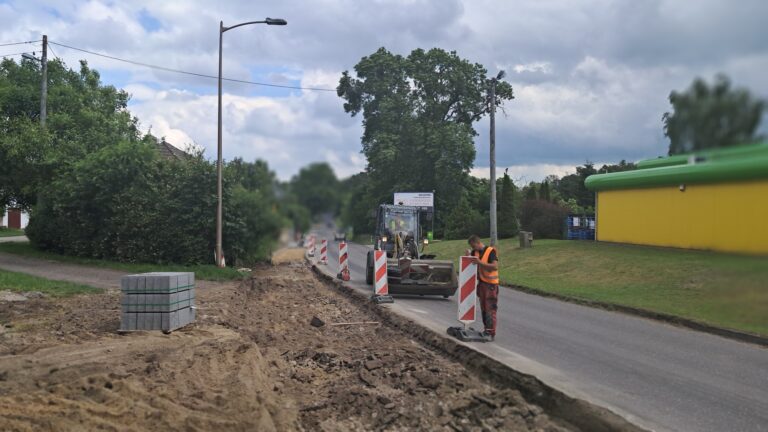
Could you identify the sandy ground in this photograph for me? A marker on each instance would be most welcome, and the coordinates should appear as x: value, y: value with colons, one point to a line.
x: 251, y: 362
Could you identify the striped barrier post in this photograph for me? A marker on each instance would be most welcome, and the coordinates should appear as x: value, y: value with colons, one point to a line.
x: 467, y: 302
x: 311, y: 245
x: 343, y: 262
x: 467, y: 290
x: 323, y: 251
x: 381, y: 281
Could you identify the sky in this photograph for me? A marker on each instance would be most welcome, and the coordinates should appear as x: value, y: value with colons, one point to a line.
x: 591, y: 77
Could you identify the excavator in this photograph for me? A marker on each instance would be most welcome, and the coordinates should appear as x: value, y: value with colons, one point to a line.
x: 410, y: 270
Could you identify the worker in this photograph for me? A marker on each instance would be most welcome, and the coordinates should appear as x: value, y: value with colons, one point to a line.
x: 396, y: 224
x: 488, y: 286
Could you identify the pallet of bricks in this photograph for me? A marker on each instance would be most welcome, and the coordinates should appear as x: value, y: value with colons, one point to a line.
x: 157, y: 301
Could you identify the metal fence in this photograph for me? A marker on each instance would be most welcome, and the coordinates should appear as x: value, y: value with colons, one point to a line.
x: 579, y: 227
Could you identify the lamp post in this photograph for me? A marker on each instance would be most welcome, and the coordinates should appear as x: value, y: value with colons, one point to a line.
x: 219, y: 164
x: 494, y: 229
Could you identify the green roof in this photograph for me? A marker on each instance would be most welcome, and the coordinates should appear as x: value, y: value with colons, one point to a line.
x: 748, y: 162
x: 737, y: 152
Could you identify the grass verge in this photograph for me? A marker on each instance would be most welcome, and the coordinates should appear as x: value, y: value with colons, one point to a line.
x: 203, y: 272
x: 723, y: 290
x: 10, y: 232
x: 364, y: 239
x: 20, y: 282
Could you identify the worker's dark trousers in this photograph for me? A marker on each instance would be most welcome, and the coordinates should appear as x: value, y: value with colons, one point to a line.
x: 489, y: 303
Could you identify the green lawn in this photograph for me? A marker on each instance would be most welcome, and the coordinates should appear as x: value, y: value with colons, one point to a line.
x: 20, y: 282
x: 9, y: 232
x: 720, y: 289
x: 203, y: 272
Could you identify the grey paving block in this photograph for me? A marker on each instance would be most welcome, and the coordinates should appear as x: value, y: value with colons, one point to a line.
x: 157, y: 301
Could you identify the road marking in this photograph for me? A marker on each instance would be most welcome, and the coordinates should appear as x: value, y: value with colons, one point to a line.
x: 419, y: 311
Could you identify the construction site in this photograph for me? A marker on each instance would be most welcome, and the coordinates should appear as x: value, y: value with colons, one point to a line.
x: 279, y: 351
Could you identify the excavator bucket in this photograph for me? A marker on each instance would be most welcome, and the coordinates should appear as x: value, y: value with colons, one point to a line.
x: 422, y: 277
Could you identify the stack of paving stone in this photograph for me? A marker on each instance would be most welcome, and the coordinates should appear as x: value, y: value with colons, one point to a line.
x: 157, y: 301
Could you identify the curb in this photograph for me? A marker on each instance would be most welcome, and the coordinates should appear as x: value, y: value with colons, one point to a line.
x: 736, y: 335
x: 575, y: 412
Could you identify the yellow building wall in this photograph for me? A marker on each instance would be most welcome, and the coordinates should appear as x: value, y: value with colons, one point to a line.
x: 730, y: 217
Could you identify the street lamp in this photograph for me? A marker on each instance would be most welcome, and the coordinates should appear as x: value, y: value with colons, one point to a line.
x: 494, y: 229
x: 219, y: 211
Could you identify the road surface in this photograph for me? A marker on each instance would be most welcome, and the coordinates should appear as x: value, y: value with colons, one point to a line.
x: 658, y: 376
x: 95, y: 277
x: 14, y: 239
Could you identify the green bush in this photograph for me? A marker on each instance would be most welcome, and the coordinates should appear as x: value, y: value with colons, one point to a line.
x: 544, y: 219
x: 124, y: 203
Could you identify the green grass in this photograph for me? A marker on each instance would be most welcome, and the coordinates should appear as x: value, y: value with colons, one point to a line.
x: 203, y: 272
x: 720, y: 289
x: 10, y: 232
x: 364, y: 239
x: 20, y: 282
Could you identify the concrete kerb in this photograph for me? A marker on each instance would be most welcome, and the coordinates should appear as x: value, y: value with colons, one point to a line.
x: 575, y: 412
x: 657, y: 316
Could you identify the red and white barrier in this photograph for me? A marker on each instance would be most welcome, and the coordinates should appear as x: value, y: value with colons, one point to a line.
x: 468, y: 290
x: 381, y: 283
x: 323, y: 251
x: 343, y: 262
x: 311, y: 245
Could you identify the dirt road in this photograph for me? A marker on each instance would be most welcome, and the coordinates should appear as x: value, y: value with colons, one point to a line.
x: 92, y: 276
x: 251, y: 362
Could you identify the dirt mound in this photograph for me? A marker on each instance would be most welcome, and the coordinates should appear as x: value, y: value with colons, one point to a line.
x: 251, y: 362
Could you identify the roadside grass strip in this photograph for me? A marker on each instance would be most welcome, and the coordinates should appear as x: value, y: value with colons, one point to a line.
x: 10, y: 232
x: 202, y: 271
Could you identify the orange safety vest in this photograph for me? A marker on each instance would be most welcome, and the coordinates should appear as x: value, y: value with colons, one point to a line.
x: 487, y: 276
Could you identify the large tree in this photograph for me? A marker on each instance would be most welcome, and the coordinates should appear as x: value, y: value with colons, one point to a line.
x: 317, y: 188
x: 84, y: 116
x: 709, y: 116
x: 418, y: 115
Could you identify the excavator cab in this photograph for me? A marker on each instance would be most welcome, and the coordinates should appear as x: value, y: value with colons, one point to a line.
x: 409, y: 270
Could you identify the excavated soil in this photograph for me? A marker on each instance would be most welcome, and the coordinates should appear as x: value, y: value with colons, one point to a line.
x: 253, y: 361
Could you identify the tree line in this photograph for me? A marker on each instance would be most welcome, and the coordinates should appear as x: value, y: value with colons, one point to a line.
x: 96, y: 187
x: 419, y: 111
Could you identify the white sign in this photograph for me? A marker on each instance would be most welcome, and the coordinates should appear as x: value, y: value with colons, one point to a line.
x: 416, y: 199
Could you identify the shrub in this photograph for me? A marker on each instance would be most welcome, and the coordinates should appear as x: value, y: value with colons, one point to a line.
x: 124, y: 203
x: 544, y: 219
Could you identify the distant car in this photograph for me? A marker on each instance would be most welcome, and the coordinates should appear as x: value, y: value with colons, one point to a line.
x: 340, y: 236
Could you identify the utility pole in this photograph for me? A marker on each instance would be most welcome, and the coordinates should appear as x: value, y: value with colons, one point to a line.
x: 219, y: 211
x: 44, y: 91
x: 494, y: 229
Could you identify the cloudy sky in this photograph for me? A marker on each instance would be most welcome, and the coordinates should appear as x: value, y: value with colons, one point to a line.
x: 591, y: 77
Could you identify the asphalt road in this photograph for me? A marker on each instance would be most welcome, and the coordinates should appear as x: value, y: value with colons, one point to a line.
x: 657, y: 376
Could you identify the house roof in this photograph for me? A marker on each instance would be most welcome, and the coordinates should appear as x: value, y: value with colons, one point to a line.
x: 169, y: 151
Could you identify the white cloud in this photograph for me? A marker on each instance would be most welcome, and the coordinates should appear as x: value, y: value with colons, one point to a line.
x: 539, y: 66
x: 591, y: 78
x: 523, y: 174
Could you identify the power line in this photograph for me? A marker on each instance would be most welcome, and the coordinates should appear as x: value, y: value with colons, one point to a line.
x: 178, y: 71
x: 18, y: 43
x: 54, y: 54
